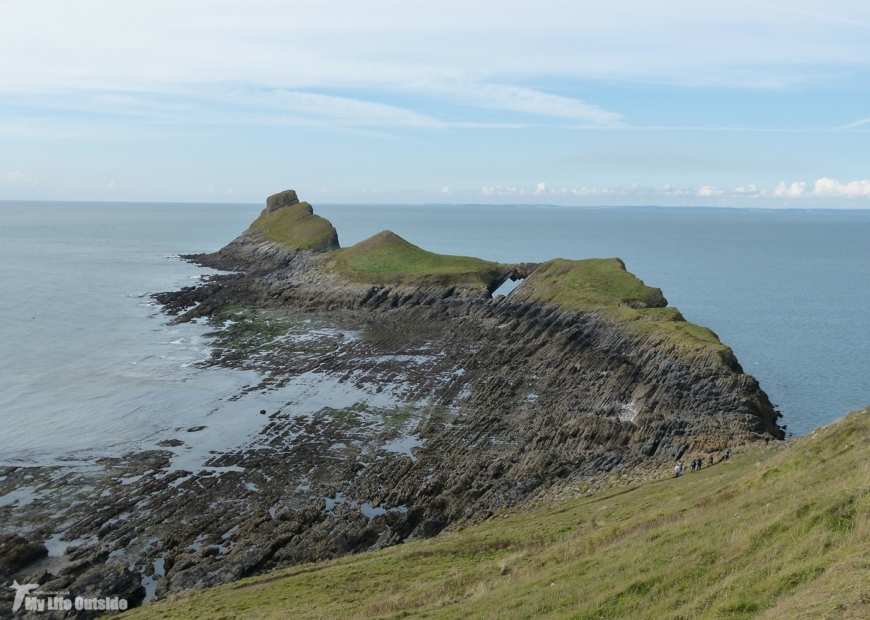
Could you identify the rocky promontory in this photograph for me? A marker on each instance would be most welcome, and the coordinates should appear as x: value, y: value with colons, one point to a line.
x: 446, y: 404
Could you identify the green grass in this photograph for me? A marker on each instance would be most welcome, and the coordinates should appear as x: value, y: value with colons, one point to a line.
x: 666, y: 327
x: 295, y: 227
x: 386, y: 258
x: 604, y: 285
x: 776, y: 532
x: 593, y: 284
x: 581, y: 284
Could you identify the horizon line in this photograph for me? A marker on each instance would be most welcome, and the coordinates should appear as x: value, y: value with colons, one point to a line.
x: 442, y: 204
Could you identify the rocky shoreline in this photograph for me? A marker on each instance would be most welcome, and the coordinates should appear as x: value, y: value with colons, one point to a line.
x: 410, y: 408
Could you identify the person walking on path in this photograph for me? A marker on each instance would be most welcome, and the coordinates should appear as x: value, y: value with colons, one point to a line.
x: 692, y: 465
x: 710, y: 460
x: 727, y: 454
x: 678, y: 469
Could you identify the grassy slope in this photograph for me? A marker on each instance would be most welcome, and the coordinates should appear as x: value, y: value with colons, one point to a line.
x: 386, y: 258
x: 776, y: 532
x: 604, y: 283
x: 591, y: 282
x: 294, y: 226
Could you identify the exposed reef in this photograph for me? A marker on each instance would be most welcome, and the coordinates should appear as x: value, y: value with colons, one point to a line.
x: 448, y: 404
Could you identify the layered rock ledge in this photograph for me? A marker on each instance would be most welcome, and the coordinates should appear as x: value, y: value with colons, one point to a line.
x: 451, y: 404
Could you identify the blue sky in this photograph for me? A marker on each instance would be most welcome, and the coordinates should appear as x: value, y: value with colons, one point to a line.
x: 742, y: 104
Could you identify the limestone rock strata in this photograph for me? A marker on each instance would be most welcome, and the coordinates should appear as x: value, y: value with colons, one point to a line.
x: 580, y: 383
x: 487, y: 403
x: 522, y: 396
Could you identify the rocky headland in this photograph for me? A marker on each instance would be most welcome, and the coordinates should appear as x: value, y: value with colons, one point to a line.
x: 439, y: 405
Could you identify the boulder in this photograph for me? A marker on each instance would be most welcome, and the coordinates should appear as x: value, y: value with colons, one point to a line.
x: 17, y: 552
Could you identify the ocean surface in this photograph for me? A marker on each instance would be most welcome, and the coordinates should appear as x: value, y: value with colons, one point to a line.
x: 89, y: 365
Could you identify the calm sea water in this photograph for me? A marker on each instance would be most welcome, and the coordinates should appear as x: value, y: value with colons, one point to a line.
x: 88, y: 363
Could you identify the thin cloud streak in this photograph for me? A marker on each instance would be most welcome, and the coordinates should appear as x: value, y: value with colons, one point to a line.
x: 863, y: 121
x: 529, y: 101
x: 276, y: 107
x: 304, y: 109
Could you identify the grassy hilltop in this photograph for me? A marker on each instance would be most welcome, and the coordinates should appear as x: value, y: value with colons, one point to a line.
x: 295, y: 227
x: 779, y: 531
x: 605, y: 286
x: 601, y: 285
x: 386, y: 258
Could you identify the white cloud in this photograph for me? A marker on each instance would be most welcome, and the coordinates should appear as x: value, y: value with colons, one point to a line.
x: 795, y: 190
x: 500, y: 190
x: 670, y: 190
x: 708, y: 191
x: 834, y: 188
x: 445, y: 190
x: 592, y: 191
x: 541, y: 189
x: 823, y: 188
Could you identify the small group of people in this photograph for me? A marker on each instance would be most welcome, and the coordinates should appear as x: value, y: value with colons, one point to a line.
x: 698, y: 463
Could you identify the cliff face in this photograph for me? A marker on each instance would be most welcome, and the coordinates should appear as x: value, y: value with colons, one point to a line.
x: 445, y: 404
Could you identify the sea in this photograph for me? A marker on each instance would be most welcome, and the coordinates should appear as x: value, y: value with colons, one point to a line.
x: 90, y: 366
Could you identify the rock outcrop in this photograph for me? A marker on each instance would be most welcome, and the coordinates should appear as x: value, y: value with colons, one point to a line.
x: 458, y: 404
x: 286, y: 198
x: 16, y: 553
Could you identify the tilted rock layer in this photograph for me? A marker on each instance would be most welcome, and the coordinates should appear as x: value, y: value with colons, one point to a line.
x: 542, y: 393
x: 583, y: 372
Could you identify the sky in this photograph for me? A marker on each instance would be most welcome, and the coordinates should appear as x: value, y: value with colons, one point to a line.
x: 670, y: 103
